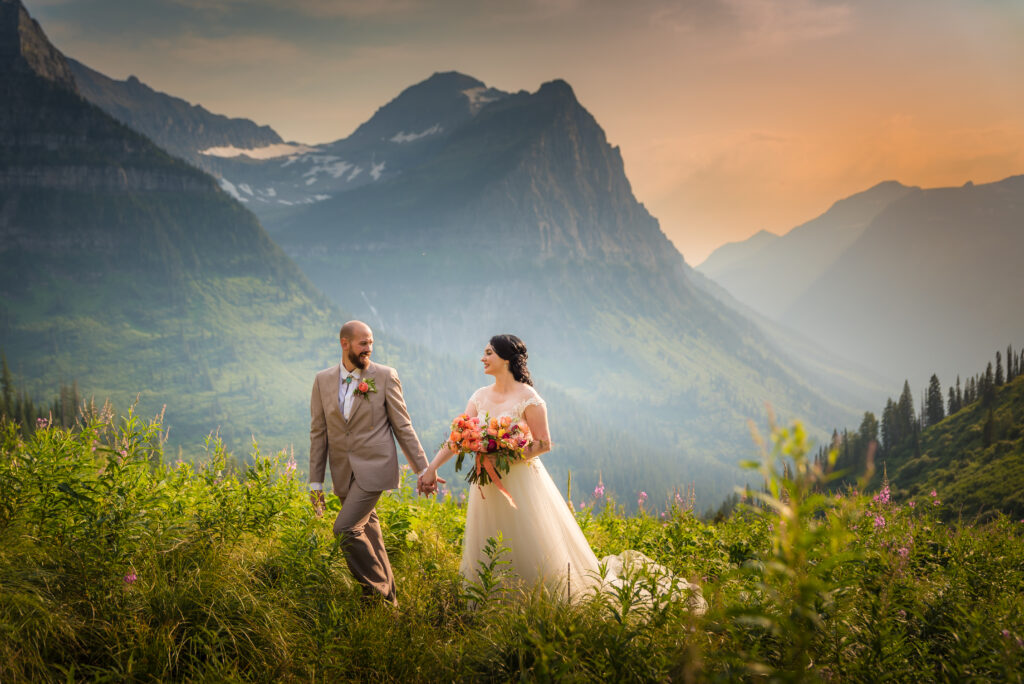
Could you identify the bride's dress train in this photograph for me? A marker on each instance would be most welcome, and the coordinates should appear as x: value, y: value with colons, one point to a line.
x: 543, y: 540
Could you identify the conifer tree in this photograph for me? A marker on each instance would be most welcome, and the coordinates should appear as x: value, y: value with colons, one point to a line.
x: 1011, y: 362
x: 988, y: 386
x: 999, y: 369
x: 951, y: 406
x: 933, y: 410
x: 906, y: 421
x: 959, y: 395
x: 889, y: 425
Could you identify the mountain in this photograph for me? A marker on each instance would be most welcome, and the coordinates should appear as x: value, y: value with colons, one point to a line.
x: 133, y: 274
x: 769, y: 273
x: 258, y: 169
x: 183, y: 129
x: 931, y: 284
x: 130, y: 271
x: 522, y: 220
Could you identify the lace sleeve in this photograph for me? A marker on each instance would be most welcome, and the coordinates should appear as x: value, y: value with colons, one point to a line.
x: 534, y: 400
x: 474, y: 399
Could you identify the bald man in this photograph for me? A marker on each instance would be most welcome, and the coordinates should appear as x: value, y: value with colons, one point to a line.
x: 356, y: 413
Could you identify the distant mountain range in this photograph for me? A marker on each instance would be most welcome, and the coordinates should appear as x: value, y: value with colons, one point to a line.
x: 183, y: 129
x: 901, y: 280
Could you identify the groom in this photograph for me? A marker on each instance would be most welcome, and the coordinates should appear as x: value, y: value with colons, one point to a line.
x: 356, y: 413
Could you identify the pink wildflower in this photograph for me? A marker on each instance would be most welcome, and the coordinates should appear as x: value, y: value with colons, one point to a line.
x: 904, y: 551
x: 643, y: 495
x: 42, y: 423
x: 290, y: 467
x: 882, y: 496
x: 934, y: 493
x: 130, y: 578
x: 912, y: 504
x: 599, y: 491
x: 879, y: 521
x: 582, y: 505
x: 936, y: 502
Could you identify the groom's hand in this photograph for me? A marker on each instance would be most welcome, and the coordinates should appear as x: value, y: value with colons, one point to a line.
x: 316, y: 498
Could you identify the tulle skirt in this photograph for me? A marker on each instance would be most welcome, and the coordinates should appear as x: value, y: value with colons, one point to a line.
x: 545, y: 545
x: 543, y: 540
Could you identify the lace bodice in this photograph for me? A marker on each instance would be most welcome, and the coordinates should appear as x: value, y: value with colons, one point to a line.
x: 513, y: 407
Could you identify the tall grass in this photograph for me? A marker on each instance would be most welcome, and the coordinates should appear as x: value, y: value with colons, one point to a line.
x: 117, y: 564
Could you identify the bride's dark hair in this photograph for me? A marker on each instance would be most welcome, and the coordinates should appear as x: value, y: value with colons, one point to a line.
x: 512, y: 349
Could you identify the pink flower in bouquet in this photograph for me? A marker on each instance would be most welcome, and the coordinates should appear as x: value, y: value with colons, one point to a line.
x: 493, y: 432
x: 505, y: 421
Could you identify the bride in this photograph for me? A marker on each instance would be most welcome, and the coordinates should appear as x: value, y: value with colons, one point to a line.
x: 543, y: 539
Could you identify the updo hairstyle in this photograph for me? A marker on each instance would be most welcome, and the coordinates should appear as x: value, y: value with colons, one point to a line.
x: 512, y: 349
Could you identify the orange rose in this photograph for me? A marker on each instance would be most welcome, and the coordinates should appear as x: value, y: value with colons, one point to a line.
x: 493, y: 432
x: 455, y: 436
x: 363, y: 387
x: 505, y: 421
x: 494, y: 424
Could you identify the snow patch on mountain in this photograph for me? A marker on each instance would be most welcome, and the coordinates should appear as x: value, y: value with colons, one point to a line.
x: 266, y: 152
x: 403, y: 137
x: 480, y: 96
x: 229, y: 187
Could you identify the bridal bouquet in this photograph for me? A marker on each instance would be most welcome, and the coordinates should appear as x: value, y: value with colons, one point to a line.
x: 494, y: 443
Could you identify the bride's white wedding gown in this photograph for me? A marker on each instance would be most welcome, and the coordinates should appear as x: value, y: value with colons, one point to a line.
x: 544, y: 542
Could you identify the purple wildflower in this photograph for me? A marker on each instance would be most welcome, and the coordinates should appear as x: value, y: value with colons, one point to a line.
x: 879, y: 521
x: 599, y: 491
x: 130, y: 578
x: 904, y: 551
x: 883, y: 496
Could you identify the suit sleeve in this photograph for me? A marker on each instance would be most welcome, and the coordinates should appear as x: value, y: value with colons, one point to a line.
x: 401, y: 424
x: 317, y: 436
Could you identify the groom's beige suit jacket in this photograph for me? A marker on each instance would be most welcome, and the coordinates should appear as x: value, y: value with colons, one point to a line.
x: 363, y: 445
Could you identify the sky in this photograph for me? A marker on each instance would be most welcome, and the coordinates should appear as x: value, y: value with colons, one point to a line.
x: 732, y: 116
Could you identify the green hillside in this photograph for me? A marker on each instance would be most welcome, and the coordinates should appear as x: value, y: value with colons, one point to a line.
x: 973, y: 459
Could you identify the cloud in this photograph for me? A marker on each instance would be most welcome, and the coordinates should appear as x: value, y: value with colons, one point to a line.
x: 312, y: 8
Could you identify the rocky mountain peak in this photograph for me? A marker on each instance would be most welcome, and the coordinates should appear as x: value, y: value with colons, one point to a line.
x: 25, y: 49
x: 427, y: 109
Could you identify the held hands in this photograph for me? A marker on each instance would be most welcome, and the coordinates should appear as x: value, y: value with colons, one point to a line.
x: 427, y: 482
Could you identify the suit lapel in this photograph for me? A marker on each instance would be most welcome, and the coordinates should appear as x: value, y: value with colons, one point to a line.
x: 331, y: 389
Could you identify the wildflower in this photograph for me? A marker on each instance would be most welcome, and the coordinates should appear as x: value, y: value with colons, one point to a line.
x: 130, y: 578
x: 582, y: 505
x: 912, y: 504
x: 663, y: 514
x: 879, y: 521
x: 599, y: 491
x: 883, y: 496
x: 936, y: 502
x: 934, y: 493
x: 903, y: 614
x: 124, y: 453
x: 904, y: 551
x: 42, y: 423
x: 290, y: 466
x: 643, y: 495
x: 1006, y: 634
x: 462, y: 496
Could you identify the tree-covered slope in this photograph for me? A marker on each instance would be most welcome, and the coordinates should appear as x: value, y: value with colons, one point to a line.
x: 974, y: 458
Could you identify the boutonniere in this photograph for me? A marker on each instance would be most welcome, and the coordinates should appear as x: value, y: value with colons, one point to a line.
x: 364, y: 387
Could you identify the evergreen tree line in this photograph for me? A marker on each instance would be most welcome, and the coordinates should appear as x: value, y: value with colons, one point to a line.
x: 902, y: 423
x: 18, y: 407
